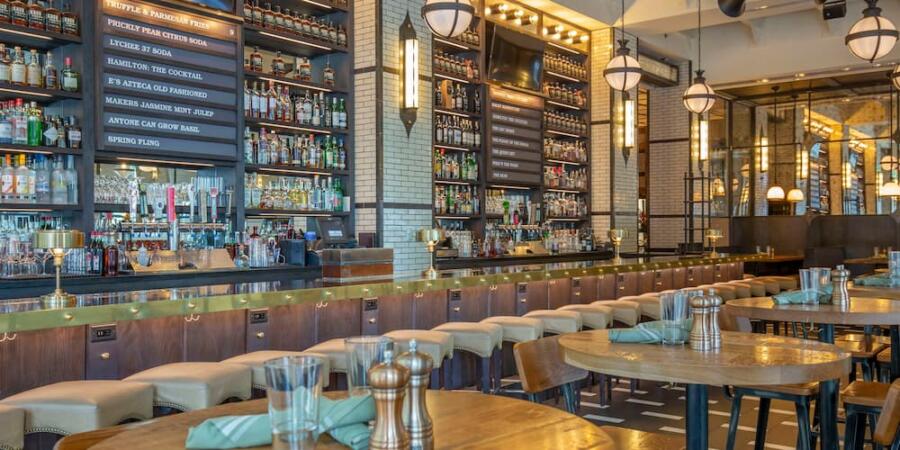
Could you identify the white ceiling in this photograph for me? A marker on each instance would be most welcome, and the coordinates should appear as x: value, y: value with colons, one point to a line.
x: 774, y: 39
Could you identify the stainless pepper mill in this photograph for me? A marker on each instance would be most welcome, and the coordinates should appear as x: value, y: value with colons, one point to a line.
x: 700, y: 338
x: 715, y: 333
x: 415, y: 411
x: 839, y: 279
x: 388, y: 381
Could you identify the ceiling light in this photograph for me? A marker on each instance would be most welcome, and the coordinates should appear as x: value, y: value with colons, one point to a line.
x: 775, y: 193
x: 448, y: 18
x: 873, y: 36
x: 889, y: 189
x: 795, y: 195
x: 764, y: 80
x: 699, y: 97
x: 623, y: 72
x: 888, y: 163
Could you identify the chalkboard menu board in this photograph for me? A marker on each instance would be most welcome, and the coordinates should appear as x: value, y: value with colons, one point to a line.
x: 515, y: 145
x: 168, y: 81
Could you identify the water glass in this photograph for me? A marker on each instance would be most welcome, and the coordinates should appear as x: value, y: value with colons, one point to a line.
x: 809, y: 285
x: 364, y: 352
x: 293, y: 387
x: 894, y: 266
x: 824, y: 277
x: 674, y: 311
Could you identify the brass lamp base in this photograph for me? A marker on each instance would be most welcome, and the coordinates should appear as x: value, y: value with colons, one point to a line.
x: 430, y: 272
x: 58, y: 299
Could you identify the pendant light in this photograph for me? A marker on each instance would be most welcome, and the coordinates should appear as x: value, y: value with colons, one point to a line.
x: 873, y: 36
x: 699, y: 97
x: 448, y: 18
x: 776, y: 192
x: 889, y: 162
x: 623, y: 72
x: 795, y: 195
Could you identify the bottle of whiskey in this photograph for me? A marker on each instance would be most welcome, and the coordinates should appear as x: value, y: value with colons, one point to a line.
x: 278, y: 67
x: 71, y: 80
x: 70, y: 23
x: 35, y: 15
x: 51, y: 76
x: 328, y: 75
x: 4, y: 64
x: 17, y: 69
x: 256, y: 60
x: 34, y: 74
x: 4, y: 11
x: 53, y: 18
x: 18, y: 13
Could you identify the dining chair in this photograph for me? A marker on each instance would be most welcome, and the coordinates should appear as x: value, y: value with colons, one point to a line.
x: 889, y: 422
x: 541, y: 368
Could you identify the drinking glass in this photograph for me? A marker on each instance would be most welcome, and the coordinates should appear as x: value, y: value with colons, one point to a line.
x: 809, y: 285
x: 293, y: 387
x: 364, y: 352
x: 894, y: 266
x: 674, y: 311
x: 824, y: 277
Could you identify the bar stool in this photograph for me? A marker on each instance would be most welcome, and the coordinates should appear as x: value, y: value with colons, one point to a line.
x: 864, y: 350
x: 70, y: 407
x: 624, y: 311
x: 256, y: 362
x: 484, y: 341
x: 189, y: 386
x: 883, y: 361
x: 800, y: 394
x: 741, y: 290
x: 722, y: 290
x: 557, y: 321
x: 12, y: 428
x: 594, y: 317
x: 863, y: 401
x: 515, y: 329
x: 757, y: 288
x: 437, y: 344
x: 649, y: 304
x: 773, y: 286
x: 336, y: 352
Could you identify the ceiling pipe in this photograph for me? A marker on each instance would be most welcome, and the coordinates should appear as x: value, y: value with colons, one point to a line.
x: 733, y: 8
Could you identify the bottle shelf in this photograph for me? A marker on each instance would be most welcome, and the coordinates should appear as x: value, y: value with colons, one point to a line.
x: 454, y: 77
x: 565, y: 162
x: 38, y: 207
x: 565, y: 133
x: 294, y: 127
x: 456, y: 216
x: 179, y: 209
x: 566, y: 191
x: 457, y: 148
x: 456, y: 45
x: 38, y: 149
x: 293, y: 83
x: 563, y: 77
x: 567, y: 219
x: 42, y: 95
x: 457, y: 113
x: 259, y: 212
x: 456, y: 182
x: 291, y: 44
x: 288, y: 170
x: 30, y: 37
x: 560, y: 104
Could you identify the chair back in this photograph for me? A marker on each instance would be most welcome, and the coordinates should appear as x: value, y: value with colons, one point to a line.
x: 541, y: 366
x: 889, y: 420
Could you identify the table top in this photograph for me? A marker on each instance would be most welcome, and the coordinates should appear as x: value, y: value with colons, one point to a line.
x: 874, y: 291
x: 861, y: 311
x: 777, y: 258
x: 489, y: 421
x: 745, y: 359
x: 869, y: 260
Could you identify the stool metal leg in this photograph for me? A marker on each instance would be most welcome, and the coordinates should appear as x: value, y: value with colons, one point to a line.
x: 485, y: 375
x: 804, y: 434
x: 762, y: 422
x: 734, y: 420
x: 568, y: 390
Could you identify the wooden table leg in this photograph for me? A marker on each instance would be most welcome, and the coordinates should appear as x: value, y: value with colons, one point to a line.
x: 697, y: 433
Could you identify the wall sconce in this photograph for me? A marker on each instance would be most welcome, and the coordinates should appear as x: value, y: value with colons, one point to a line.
x: 763, y: 154
x: 802, y: 163
x: 409, y: 89
x: 848, y: 175
x: 629, y: 123
x: 700, y: 137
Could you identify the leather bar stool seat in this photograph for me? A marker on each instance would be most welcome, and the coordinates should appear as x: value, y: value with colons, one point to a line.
x: 757, y: 288
x: 557, y: 321
x: 625, y: 311
x: 12, y: 428
x: 592, y: 316
x: 256, y: 362
x: 773, y: 286
x: 649, y: 304
x: 438, y: 344
x: 863, y: 401
x: 863, y: 351
x: 518, y: 329
x: 484, y: 340
x: 786, y: 283
x: 335, y: 351
x: 73, y: 407
x: 741, y: 290
x: 189, y: 386
x: 722, y: 290
x: 865, y: 393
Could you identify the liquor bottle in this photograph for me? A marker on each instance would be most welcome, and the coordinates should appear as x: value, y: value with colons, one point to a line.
x: 257, y: 17
x: 342, y: 123
x: 8, y: 181
x: 268, y: 16
x: 51, y: 75
x: 71, y: 80
x: 35, y: 125
x: 70, y: 23
x: 59, y: 190
x: 271, y: 101
x: 248, y: 106
x: 20, y: 123
x: 4, y: 64
x: 51, y: 132
x: 263, y: 102
x: 35, y: 15
x: 335, y: 114
x: 17, y: 69
x: 33, y: 73
x: 4, y: 11
x: 24, y: 182
x: 18, y: 13
x: 256, y: 60
x: 73, y: 134
x: 304, y: 69
x: 278, y: 67
x: 341, y: 36
x: 41, y: 180
x: 248, y: 10
x: 72, y: 177
x: 328, y: 75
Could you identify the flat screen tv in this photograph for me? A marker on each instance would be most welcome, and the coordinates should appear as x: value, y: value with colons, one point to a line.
x: 516, y: 59
x: 221, y: 5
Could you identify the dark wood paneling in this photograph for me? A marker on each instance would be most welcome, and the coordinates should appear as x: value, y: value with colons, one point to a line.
x: 395, y: 312
x: 430, y: 309
x: 257, y: 330
x: 662, y: 280
x: 292, y: 327
x: 588, y: 290
x: 708, y: 274
x: 559, y: 293
x: 721, y: 272
x: 369, y: 313
x: 215, y: 336
x: 37, y: 358
x: 646, y: 281
x: 147, y: 343
x: 694, y: 276
x: 538, y: 295
x: 679, y: 278
x: 338, y: 319
x: 101, y: 357
x: 606, y: 287
x: 503, y: 300
x: 626, y: 284
x: 471, y: 305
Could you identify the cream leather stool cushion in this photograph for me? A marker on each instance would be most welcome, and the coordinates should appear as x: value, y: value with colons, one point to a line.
x: 518, y: 329
x: 649, y: 304
x: 625, y: 311
x: 757, y: 288
x: 594, y: 317
x: 722, y: 290
x: 78, y: 406
x: 336, y: 353
x: 557, y: 321
x: 773, y: 286
x: 256, y: 362
x: 12, y: 428
x: 741, y: 289
x: 196, y: 385
x: 437, y: 344
x: 787, y: 283
x: 478, y: 338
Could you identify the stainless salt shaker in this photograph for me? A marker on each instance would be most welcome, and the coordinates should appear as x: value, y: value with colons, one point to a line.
x: 416, y: 418
x: 715, y: 333
x: 839, y: 279
x: 700, y: 338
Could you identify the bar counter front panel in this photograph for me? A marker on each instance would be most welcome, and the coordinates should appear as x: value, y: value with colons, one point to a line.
x: 113, y: 335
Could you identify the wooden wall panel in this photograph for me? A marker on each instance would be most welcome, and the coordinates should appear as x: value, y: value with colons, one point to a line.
x: 38, y: 358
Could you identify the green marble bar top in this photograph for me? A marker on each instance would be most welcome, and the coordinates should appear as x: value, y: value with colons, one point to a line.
x: 30, y: 314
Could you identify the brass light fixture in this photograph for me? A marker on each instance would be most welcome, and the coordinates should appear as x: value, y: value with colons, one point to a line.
x: 58, y: 242
x: 409, y: 58
x: 873, y: 36
x: 616, y: 236
x: 623, y: 72
x: 448, y: 18
x: 699, y: 97
x: 713, y: 234
x: 431, y: 237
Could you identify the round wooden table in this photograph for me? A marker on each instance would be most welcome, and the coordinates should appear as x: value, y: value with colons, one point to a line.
x: 461, y: 419
x: 891, y: 293
x: 744, y: 359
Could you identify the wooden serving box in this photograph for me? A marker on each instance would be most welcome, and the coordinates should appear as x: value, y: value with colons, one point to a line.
x: 357, y: 264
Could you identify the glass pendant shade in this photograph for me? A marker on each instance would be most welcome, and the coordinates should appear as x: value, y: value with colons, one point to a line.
x: 890, y: 189
x: 699, y: 97
x: 448, y: 18
x: 888, y: 163
x: 795, y: 195
x: 895, y: 77
x: 775, y: 193
x: 873, y: 36
x: 623, y: 72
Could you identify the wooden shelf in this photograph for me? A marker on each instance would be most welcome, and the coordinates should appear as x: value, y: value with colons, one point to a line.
x: 41, y: 95
x: 179, y: 209
x: 37, y: 207
x: 555, y: 103
x: 564, y: 77
x: 454, y: 112
x: 294, y: 127
x: 38, y: 149
x: 456, y: 45
x: 454, y: 77
x: 567, y: 219
x: 565, y: 190
x: 564, y: 162
x: 457, y: 148
x: 288, y: 170
x: 456, y: 216
x: 291, y: 44
x: 292, y: 213
x: 565, y: 133
x: 457, y: 182
x: 29, y: 37
x: 294, y: 83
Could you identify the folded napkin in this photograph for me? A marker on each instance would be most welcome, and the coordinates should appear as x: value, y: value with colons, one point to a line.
x: 644, y: 333
x: 877, y: 280
x: 345, y: 420
x: 823, y: 297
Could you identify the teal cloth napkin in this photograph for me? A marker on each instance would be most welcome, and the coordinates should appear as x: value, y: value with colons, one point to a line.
x: 644, y: 333
x: 345, y: 420
x: 799, y: 298
x: 877, y: 280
